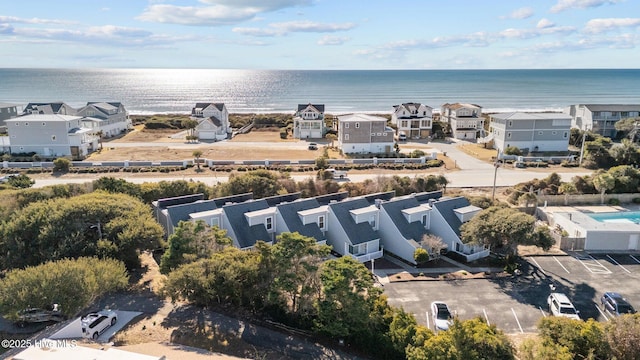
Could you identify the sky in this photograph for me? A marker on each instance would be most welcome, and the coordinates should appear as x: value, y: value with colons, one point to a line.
x: 320, y: 34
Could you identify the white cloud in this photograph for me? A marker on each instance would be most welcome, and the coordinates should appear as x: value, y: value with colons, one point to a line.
x: 216, y: 12
x: 284, y: 28
x: 563, y: 5
x: 544, y: 23
x: 521, y: 13
x: 595, y: 26
x: 17, y: 20
x: 333, y: 40
x: 192, y: 15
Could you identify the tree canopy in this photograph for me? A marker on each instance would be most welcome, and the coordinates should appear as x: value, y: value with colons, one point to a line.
x: 96, y: 224
x: 73, y: 284
x: 504, y: 229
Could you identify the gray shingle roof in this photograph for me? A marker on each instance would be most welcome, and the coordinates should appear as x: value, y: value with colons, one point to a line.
x: 246, y: 235
x: 612, y: 107
x: 357, y: 233
x: 409, y: 230
x: 277, y: 199
x: 177, y: 213
x: 163, y: 203
x: 289, y: 212
x: 326, y: 199
x: 446, y: 208
x: 233, y: 199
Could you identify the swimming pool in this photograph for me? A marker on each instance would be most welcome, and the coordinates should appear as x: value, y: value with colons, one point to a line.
x: 629, y: 217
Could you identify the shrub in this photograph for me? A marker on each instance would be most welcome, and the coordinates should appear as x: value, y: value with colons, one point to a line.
x: 61, y: 164
x: 284, y: 133
x: 614, y: 202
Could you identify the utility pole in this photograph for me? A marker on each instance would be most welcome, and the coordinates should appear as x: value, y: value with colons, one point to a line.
x: 496, y: 165
x: 584, y: 136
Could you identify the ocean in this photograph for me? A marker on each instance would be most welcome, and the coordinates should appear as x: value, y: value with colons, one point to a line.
x: 155, y: 91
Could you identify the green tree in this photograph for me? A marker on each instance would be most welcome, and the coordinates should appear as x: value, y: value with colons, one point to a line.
x: 261, y: 183
x: 505, y: 228
x: 625, y: 127
x: 190, y: 125
x: 534, y: 349
x: 294, y: 261
x: 627, y: 153
x: 197, y: 154
x: 96, y: 224
x: 583, y: 339
x: 469, y: 339
x: 347, y: 299
x: 61, y: 165
x: 623, y: 336
x: 230, y: 276
x: 73, y: 284
x: 192, y: 241
x: 603, y: 182
x: 597, y: 151
x: 115, y: 185
x: 567, y: 189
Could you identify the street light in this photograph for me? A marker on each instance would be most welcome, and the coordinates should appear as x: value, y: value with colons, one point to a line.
x: 496, y: 165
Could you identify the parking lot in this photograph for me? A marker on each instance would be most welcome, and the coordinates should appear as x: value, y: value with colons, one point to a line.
x: 515, y: 304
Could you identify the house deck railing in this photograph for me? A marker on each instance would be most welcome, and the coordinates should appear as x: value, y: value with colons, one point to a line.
x: 367, y: 257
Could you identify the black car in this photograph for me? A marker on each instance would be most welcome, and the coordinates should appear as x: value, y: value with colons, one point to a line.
x: 616, y: 304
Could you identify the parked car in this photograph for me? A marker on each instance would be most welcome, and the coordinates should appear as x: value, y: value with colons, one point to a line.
x: 337, y: 174
x: 313, y: 146
x: 617, y: 305
x: 6, y: 178
x: 560, y: 305
x: 95, y: 324
x: 442, y: 318
x: 38, y: 315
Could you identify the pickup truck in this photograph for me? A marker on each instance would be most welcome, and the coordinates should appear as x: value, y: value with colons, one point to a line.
x: 337, y: 174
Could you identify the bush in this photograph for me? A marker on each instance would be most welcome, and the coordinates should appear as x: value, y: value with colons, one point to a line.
x: 614, y: 202
x: 284, y: 133
x: 421, y: 256
x: 61, y: 164
x: 513, y: 150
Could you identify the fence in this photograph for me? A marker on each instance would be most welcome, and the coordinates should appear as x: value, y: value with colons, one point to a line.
x: 211, y: 163
x: 584, y: 199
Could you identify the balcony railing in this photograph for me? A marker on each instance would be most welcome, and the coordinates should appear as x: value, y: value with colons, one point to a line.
x: 367, y: 257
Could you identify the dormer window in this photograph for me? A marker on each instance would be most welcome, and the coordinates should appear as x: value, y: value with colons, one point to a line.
x: 268, y: 223
x: 321, y: 223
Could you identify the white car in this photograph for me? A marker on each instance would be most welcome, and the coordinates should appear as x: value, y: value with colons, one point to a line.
x: 560, y: 305
x: 94, y: 324
x: 441, y: 315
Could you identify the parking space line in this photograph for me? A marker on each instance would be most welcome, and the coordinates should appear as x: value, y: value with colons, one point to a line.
x: 558, y: 261
x: 634, y: 258
x: 486, y: 317
x: 601, y: 312
x: 538, y: 266
x: 617, y: 263
x: 542, y: 311
x: 426, y: 313
x: 596, y: 268
x: 518, y: 321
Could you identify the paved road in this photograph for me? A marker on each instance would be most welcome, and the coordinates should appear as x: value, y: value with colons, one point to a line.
x: 472, y: 172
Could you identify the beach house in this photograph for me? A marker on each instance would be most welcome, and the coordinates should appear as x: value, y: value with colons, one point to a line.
x: 48, y: 108
x: 414, y: 120
x: 600, y: 118
x: 7, y: 111
x: 51, y: 135
x: 531, y: 132
x: 308, y: 121
x: 465, y: 120
x: 109, y: 118
x: 362, y: 133
x: 213, y: 121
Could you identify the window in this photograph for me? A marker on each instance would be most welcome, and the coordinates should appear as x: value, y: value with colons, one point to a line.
x: 268, y: 223
x: 346, y: 125
x: 379, y: 134
x: 596, y: 113
x: 624, y: 114
x: 510, y: 123
x: 53, y: 138
x: 372, y: 221
x: 565, y: 135
x: 357, y: 125
x: 404, y: 123
x: 346, y: 137
x: 614, y: 113
x: 44, y: 124
x: 321, y: 222
x: 17, y: 124
x: 508, y: 135
x: 540, y: 132
x: 373, y: 134
x: 385, y: 134
x: 424, y: 219
x: 26, y: 124
x: 215, y: 222
x: 554, y: 133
